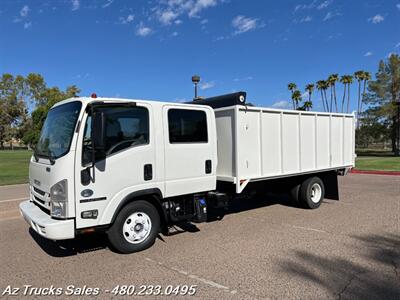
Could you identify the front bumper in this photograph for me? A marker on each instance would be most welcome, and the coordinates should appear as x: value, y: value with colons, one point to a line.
x: 44, y: 225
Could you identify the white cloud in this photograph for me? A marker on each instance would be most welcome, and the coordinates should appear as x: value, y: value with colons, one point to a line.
x: 243, y: 24
x: 207, y: 85
x: 204, y: 21
x: 397, y: 45
x: 107, y: 4
x: 169, y: 10
x: 175, y: 33
x: 306, y: 19
x: 311, y: 5
x: 75, y: 4
x: 369, y: 53
x: 200, y: 5
x: 27, y: 25
x: 127, y: 19
x: 178, y: 22
x: 24, y: 11
x: 143, y: 30
x: 331, y: 15
x: 281, y: 104
x: 398, y: 6
x: 324, y: 4
x: 376, y: 19
x: 166, y: 17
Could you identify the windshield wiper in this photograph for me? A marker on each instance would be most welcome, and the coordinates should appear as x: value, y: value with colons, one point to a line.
x: 51, y: 157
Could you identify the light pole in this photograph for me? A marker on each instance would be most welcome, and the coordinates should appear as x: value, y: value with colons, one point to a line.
x: 397, y: 150
x: 195, y: 80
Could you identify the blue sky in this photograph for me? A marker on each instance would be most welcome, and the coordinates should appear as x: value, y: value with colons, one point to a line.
x: 150, y: 49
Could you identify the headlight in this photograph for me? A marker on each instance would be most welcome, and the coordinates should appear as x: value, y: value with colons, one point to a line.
x: 59, y: 199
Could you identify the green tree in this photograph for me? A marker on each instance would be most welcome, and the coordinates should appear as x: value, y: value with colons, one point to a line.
x: 296, y: 98
x: 359, y: 76
x: 321, y: 86
x: 383, y: 93
x: 332, y: 79
x: 347, y: 80
x: 292, y: 87
x: 366, y: 79
x: 12, y: 106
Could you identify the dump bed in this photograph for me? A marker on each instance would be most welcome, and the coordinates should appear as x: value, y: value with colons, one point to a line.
x: 257, y: 143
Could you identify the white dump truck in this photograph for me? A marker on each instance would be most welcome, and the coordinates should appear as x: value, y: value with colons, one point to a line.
x: 134, y: 167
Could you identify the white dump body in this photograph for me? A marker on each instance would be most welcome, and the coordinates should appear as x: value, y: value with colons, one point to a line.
x: 257, y: 143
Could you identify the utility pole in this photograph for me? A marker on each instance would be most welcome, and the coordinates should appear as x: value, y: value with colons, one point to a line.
x: 195, y: 80
x: 397, y: 152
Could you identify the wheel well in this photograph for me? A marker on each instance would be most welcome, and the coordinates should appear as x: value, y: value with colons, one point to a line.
x: 154, y: 198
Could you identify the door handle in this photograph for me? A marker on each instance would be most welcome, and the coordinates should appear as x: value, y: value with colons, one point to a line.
x: 148, y: 172
x: 208, y: 166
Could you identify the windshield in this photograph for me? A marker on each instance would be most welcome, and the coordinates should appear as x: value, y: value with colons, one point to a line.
x: 56, y: 136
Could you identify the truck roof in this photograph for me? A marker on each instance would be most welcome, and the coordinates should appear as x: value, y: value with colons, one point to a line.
x: 87, y: 100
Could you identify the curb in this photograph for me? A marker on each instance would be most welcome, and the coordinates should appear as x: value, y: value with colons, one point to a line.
x: 394, y: 173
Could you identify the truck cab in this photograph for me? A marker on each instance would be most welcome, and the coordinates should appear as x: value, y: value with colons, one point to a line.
x: 96, y: 157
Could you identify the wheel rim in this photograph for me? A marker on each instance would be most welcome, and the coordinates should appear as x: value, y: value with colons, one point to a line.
x: 136, y: 227
x: 316, y: 192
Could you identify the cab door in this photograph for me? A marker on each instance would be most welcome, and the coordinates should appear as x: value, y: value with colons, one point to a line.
x: 189, y: 149
x: 128, y: 163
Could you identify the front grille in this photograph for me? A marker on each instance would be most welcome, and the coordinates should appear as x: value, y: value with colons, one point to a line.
x: 45, y: 210
x: 39, y: 200
x: 39, y: 191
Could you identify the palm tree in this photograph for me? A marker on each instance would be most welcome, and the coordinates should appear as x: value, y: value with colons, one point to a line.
x: 307, y: 105
x: 320, y: 87
x: 332, y: 79
x: 310, y: 89
x: 349, y: 82
x: 296, y: 97
x: 343, y: 80
x: 325, y: 86
x: 366, y: 78
x: 359, y: 75
x: 292, y: 87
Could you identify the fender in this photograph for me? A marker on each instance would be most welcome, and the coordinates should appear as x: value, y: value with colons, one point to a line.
x: 146, y: 192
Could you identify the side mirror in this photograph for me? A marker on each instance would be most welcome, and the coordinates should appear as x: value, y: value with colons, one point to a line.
x: 99, y: 130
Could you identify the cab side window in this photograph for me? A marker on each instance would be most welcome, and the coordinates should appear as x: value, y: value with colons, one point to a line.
x: 187, y: 126
x: 125, y: 127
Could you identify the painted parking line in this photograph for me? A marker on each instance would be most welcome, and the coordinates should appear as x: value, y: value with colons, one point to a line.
x: 14, y: 200
x: 195, y: 277
x: 308, y: 228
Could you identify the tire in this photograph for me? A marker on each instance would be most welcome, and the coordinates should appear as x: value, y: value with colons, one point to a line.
x: 135, y: 228
x: 312, y: 192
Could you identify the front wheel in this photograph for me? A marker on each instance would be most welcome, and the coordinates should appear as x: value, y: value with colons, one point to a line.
x: 312, y: 192
x: 136, y: 227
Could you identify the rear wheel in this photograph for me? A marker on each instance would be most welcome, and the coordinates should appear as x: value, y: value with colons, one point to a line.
x: 312, y: 192
x: 136, y: 227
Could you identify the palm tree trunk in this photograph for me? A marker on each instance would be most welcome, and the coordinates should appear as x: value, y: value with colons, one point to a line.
x: 359, y: 97
x: 348, y: 97
x: 323, y: 101
x: 363, y: 94
x: 334, y: 97
x: 330, y: 109
x: 327, y: 103
x: 344, y: 97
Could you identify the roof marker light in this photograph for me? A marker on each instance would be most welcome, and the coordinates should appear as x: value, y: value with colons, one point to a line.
x: 93, y: 95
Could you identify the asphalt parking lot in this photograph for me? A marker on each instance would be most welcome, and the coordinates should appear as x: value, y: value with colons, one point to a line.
x: 264, y: 248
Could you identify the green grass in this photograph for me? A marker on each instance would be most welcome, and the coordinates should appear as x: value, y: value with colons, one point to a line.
x: 14, y: 166
x: 376, y: 163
